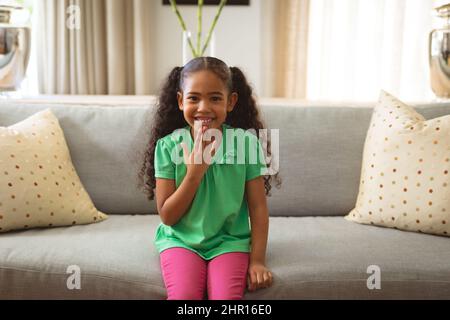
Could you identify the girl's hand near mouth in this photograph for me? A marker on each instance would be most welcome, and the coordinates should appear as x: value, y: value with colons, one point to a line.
x: 195, y: 162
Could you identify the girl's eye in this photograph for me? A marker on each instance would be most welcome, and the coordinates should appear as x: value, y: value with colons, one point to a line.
x: 193, y: 98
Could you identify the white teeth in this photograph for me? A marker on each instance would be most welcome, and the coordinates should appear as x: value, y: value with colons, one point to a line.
x: 204, y: 120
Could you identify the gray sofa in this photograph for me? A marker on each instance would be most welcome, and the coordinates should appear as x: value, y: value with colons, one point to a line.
x: 312, y: 251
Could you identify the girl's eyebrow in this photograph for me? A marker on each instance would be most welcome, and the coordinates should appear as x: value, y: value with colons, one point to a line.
x: 210, y: 93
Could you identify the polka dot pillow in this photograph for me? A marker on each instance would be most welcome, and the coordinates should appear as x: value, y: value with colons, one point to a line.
x: 405, y: 171
x: 39, y: 186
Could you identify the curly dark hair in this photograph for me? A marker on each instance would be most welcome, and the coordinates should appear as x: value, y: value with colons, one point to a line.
x: 168, y: 117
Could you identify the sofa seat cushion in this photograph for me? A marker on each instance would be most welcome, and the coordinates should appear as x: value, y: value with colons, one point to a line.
x: 329, y: 257
x: 116, y: 261
x: 310, y: 257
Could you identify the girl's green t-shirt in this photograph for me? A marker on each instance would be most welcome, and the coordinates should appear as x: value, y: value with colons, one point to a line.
x: 217, y: 221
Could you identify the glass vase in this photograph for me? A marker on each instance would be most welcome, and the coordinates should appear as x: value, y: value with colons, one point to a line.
x: 188, y: 53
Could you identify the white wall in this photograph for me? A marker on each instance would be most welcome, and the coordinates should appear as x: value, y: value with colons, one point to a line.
x: 239, y: 39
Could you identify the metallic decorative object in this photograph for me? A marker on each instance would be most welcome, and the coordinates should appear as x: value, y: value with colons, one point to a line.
x: 15, y: 42
x: 439, y: 53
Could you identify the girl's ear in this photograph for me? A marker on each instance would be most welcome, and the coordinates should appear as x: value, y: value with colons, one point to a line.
x: 180, y: 100
x: 232, y: 101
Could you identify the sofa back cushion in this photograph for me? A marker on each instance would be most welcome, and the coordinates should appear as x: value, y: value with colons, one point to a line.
x: 320, y: 152
x: 105, y: 144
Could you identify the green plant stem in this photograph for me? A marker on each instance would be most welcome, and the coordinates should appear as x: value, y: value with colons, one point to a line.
x: 199, y: 24
x: 221, y: 5
x: 183, y: 25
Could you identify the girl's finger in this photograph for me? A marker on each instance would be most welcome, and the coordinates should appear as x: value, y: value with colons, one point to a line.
x: 249, y: 283
x: 259, y: 280
x: 198, y: 142
x: 196, y: 137
x: 197, y: 150
x: 253, y: 280
x: 208, y: 153
x: 266, y: 279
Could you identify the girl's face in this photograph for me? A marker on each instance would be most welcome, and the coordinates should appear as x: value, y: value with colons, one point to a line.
x: 205, y: 99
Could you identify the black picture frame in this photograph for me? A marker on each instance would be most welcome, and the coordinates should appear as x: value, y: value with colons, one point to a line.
x: 209, y: 2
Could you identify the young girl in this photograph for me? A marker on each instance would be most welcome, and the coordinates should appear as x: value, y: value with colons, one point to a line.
x: 205, y: 241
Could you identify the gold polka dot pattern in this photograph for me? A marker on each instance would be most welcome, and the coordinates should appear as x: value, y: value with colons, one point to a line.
x: 405, y: 171
x: 39, y: 186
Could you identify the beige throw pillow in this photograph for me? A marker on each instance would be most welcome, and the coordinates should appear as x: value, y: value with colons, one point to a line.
x: 405, y: 171
x: 39, y: 186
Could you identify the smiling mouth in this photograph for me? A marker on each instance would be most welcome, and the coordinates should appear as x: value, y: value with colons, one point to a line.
x: 205, y: 122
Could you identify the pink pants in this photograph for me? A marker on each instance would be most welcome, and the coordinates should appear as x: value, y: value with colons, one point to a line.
x: 186, y: 275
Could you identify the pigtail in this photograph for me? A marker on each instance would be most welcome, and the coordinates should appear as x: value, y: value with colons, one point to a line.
x: 167, y: 118
x: 246, y: 115
x: 167, y: 111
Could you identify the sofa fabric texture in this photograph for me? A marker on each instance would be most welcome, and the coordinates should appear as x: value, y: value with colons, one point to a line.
x: 313, y: 252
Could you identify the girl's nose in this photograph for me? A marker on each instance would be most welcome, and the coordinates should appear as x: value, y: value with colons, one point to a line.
x: 203, y: 105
